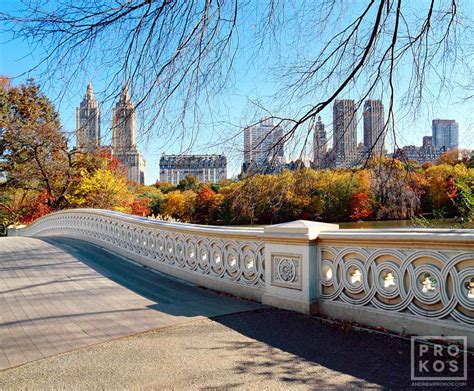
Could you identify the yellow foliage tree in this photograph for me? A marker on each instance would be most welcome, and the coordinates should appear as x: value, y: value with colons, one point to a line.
x: 437, y: 179
x: 101, y: 189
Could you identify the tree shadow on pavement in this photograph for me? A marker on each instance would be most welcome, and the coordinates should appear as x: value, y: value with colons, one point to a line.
x: 331, y: 350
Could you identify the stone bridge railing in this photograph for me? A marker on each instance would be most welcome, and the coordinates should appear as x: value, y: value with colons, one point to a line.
x: 415, y: 281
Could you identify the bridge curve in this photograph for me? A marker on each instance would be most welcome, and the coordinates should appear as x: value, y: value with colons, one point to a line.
x: 417, y: 281
x: 225, y: 259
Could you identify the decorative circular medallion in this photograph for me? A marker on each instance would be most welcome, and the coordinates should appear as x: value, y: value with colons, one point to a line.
x: 287, y: 270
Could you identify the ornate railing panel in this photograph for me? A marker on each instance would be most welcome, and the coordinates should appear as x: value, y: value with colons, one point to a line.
x: 426, y: 283
x: 217, y: 253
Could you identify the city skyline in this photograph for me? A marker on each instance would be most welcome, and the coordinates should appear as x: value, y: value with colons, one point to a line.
x: 251, y: 83
x: 264, y: 141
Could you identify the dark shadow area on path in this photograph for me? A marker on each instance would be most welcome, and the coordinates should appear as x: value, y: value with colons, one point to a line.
x: 371, y: 357
x: 171, y: 296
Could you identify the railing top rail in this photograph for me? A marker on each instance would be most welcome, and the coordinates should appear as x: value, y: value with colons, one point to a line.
x: 160, y: 224
x: 418, y: 233
x: 402, y: 235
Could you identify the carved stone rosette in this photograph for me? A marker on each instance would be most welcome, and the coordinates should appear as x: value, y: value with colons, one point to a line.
x: 286, y: 270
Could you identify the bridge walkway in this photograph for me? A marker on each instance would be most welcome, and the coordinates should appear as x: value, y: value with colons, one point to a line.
x: 59, y: 294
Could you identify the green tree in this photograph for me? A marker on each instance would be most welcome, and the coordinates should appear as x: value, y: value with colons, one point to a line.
x: 189, y: 182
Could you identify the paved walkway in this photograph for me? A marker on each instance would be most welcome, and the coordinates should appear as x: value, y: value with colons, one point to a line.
x: 268, y: 350
x: 59, y: 294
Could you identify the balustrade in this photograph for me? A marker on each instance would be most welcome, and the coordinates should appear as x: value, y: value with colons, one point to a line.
x: 411, y: 281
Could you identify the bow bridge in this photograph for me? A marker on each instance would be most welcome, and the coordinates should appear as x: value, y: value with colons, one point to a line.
x: 409, y: 281
x: 405, y: 280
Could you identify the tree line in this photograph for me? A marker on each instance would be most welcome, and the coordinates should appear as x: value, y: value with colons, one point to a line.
x: 387, y: 189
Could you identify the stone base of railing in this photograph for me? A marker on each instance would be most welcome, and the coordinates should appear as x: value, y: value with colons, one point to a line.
x: 401, y: 323
x: 305, y: 307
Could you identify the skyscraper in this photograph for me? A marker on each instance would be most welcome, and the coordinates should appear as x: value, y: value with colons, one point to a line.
x: 320, y: 142
x: 88, y: 121
x: 124, y: 146
x: 124, y: 122
x: 263, y: 147
x: 344, y: 132
x: 374, y: 122
x: 445, y: 133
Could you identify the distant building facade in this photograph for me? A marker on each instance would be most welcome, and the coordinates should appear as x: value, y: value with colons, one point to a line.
x: 374, y: 123
x: 88, y: 121
x: 320, y: 143
x: 427, y: 141
x: 263, y: 147
x: 419, y: 154
x: 445, y: 133
x: 344, y: 132
x: 124, y: 138
x: 427, y: 153
x: 206, y: 168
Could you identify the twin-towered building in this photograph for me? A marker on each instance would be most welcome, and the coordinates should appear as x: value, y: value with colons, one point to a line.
x: 345, y: 151
x: 123, y: 148
x: 264, y: 142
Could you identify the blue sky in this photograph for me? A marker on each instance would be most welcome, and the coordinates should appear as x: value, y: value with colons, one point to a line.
x: 255, y: 79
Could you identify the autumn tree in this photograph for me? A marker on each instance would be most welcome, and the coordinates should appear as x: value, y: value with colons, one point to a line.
x: 189, y: 182
x: 207, y: 203
x: 100, y: 189
x: 41, y: 174
x: 180, y: 205
x: 153, y: 196
x: 397, y: 192
x: 34, y: 154
x: 454, y: 156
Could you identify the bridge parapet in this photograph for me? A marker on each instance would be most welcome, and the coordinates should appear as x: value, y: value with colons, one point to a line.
x: 415, y: 281
x: 411, y: 281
